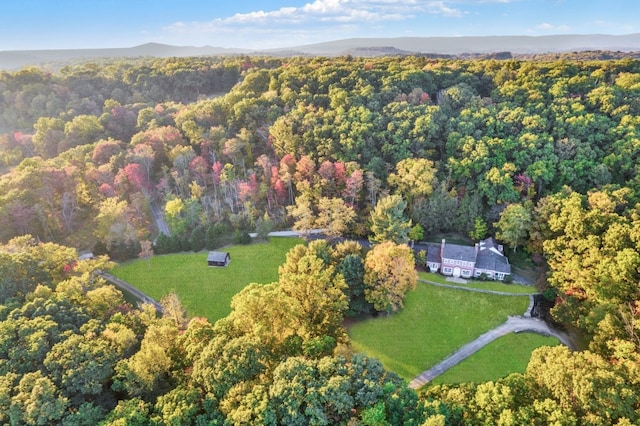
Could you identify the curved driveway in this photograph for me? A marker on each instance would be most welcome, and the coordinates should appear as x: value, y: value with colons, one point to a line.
x: 514, y: 324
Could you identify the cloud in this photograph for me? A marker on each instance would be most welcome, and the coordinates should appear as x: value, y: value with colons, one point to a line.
x: 545, y: 26
x: 476, y: 2
x: 328, y: 11
x: 317, y: 20
x: 440, y: 7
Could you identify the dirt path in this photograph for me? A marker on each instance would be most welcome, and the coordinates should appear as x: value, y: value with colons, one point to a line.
x: 514, y: 324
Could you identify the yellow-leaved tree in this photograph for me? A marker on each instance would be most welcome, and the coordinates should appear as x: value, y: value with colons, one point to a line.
x: 389, y: 274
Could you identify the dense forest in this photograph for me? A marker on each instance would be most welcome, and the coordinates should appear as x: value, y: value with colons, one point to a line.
x: 543, y: 154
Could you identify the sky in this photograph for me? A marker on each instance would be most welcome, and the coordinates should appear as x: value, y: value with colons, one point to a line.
x: 265, y: 24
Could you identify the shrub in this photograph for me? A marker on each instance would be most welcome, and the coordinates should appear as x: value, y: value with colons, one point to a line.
x: 161, y: 245
x: 241, y: 237
x: 216, y: 235
x: 198, y: 239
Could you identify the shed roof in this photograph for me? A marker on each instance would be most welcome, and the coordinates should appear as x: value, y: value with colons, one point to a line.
x: 217, y: 256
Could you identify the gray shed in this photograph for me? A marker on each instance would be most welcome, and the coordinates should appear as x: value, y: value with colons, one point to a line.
x: 218, y: 258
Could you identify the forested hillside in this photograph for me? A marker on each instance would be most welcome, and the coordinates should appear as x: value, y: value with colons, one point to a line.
x: 542, y: 154
x: 477, y: 136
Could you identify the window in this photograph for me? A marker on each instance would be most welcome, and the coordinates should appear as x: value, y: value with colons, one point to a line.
x: 446, y: 270
x: 466, y: 273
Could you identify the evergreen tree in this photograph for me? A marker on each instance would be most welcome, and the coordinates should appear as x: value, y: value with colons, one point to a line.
x: 388, y: 221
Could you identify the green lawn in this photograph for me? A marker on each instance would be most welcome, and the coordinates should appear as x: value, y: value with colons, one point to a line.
x: 206, y: 291
x: 485, y: 285
x: 509, y: 354
x: 434, y: 322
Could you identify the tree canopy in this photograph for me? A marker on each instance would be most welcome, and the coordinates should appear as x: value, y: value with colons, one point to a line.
x: 95, y: 156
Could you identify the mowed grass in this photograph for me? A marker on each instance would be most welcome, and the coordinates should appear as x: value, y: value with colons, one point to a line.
x: 203, y: 290
x: 509, y: 354
x: 483, y: 285
x: 434, y: 322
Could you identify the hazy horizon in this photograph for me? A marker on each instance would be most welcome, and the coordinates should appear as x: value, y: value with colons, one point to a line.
x: 253, y: 25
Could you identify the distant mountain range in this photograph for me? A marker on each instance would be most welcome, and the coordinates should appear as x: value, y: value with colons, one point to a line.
x: 481, y: 45
x: 13, y: 59
x: 455, y: 46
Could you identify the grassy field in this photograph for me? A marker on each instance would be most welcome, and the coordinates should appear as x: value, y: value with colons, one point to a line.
x: 206, y: 291
x: 508, y: 354
x: 434, y: 322
x: 484, y: 285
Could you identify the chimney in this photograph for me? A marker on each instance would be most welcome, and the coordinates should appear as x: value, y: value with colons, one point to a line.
x: 442, y: 250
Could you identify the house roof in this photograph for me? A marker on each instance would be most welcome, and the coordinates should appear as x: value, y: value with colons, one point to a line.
x: 490, y: 244
x: 433, y: 253
x: 454, y: 251
x: 217, y: 256
x: 490, y: 257
x: 490, y: 261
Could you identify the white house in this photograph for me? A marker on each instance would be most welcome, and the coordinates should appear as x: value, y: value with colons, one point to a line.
x: 486, y: 257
